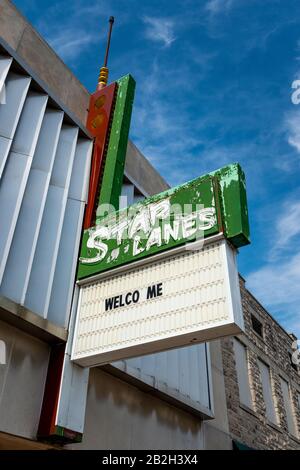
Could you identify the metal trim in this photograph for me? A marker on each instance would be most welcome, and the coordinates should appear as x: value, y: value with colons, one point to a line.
x: 30, y: 322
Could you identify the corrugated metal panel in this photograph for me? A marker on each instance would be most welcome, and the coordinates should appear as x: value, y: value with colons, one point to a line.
x: 42, y: 272
x: 16, y: 88
x: 28, y: 226
x: 13, y: 182
x: 5, y: 63
x: 44, y: 170
x: 62, y: 289
x: 180, y: 373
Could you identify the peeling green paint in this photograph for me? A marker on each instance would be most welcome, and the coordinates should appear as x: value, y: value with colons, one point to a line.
x: 222, y: 193
x: 116, y: 153
x: 193, y: 214
x: 234, y: 204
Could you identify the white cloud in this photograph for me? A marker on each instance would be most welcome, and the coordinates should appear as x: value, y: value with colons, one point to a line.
x: 162, y: 126
x: 82, y: 26
x: 160, y: 30
x: 168, y: 133
x: 69, y: 45
x: 287, y: 225
x: 215, y: 7
x: 276, y: 284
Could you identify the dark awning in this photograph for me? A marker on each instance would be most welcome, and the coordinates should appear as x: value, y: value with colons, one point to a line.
x: 236, y: 445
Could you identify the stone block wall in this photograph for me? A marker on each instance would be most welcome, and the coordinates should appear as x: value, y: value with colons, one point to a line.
x: 250, y: 426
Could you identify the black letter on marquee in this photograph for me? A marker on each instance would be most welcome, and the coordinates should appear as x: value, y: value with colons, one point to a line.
x: 135, y: 296
x: 121, y: 301
x: 128, y: 298
x: 154, y: 291
x: 159, y: 289
x: 108, y: 304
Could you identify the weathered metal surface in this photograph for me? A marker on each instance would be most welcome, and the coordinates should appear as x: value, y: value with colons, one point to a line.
x: 180, y: 374
x: 121, y: 237
x: 115, y: 160
x: 156, y: 224
x: 234, y: 204
x: 51, y: 393
x: 22, y: 381
x: 100, y: 114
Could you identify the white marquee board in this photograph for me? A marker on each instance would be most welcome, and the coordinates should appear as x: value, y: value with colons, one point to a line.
x: 189, y: 297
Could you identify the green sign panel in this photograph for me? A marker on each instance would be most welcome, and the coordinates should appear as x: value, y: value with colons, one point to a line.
x: 115, y: 160
x: 201, y: 208
x: 233, y: 201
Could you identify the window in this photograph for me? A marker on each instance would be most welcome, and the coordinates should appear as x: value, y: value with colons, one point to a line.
x: 288, y: 406
x: 267, y: 391
x: 257, y: 326
x: 242, y: 373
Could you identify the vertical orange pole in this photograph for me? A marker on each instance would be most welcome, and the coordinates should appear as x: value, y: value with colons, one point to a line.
x: 98, y: 123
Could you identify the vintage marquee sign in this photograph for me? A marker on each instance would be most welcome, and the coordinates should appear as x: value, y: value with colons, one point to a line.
x: 163, y: 273
x: 172, y: 300
x: 199, y: 209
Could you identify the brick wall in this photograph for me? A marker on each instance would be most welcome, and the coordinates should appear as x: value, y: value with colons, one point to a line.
x: 250, y: 426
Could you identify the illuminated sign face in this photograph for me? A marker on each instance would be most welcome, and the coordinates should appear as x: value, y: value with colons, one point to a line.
x: 174, y: 299
x: 196, y: 210
x: 156, y: 224
x: 170, y: 219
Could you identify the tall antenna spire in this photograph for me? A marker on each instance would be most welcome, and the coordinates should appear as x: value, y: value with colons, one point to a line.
x: 103, y: 75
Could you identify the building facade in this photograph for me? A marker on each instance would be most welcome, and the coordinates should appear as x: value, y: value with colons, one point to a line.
x: 228, y: 393
x: 261, y: 381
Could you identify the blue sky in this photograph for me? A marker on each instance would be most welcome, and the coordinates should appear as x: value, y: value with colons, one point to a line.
x: 213, y: 86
